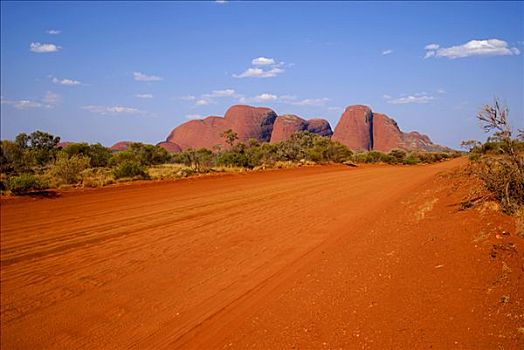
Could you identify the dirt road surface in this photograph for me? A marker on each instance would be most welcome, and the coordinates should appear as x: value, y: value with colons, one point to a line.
x: 329, y: 257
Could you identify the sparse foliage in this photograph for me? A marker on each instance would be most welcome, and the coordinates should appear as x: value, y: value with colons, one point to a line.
x: 68, y: 169
x: 500, y: 160
x: 230, y: 136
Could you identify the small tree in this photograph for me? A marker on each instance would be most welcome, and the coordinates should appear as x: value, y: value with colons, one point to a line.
x: 503, y: 175
x: 470, y: 145
x: 230, y: 136
x: 67, y: 169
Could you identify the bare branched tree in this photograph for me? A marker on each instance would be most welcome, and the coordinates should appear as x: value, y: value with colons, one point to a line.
x: 495, y: 117
x: 503, y: 175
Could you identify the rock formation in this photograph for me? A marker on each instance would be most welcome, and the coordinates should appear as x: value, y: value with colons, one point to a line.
x: 386, y: 133
x: 285, y: 126
x: 250, y: 122
x: 358, y: 128
x: 288, y: 124
x: 320, y: 127
x: 354, y: 129
x: 170, y: 147
x: 199, y: 133
x: 120, y: 146
x: 361, y: 129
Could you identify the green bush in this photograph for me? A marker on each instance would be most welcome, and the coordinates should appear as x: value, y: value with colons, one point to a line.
x: 142, y: 154
x: 25, y: 183
x: 67, y: 169
x: 130, y: 169
x: 412, y: 158
x: 397, y: 156
x: 99, y: 155
x: 11, y: 158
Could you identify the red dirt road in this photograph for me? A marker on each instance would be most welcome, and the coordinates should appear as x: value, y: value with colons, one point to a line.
x: 310, y: 258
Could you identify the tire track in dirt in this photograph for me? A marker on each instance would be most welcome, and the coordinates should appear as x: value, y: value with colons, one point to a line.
x: 161, y: 266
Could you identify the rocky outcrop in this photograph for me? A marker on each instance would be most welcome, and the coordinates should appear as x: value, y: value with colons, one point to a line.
x: 361, y: 129
x: 170, y: 147
x: 320, y: 127
x: 251, y: 122
x: 386, y: 133
x: 354, y: 129
x: 120, y: 146
x: 286, y: 125
x: 64, y: 144
x: 199, y: 133
x: 414, y: 140
x: 248, y: 122
x: 358, y: 128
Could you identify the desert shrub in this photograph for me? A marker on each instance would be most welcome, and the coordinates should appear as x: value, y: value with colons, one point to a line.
x: 200, y: 160
x: 339, y: 153
x: 500, y: 164
x: 143, y: 154
x: 96, y: 177
x: 233, y: 158
x: 12, y: 158
x: 39, y: 147
x: 24, y: 183
x: 375, y: 157
x: 504, y: 180
x: 397, y: 156
x: 149, y: 154
x: 412, y: 158
x: 67, y: 169
x: 130, y: 169
x: 99, y: 155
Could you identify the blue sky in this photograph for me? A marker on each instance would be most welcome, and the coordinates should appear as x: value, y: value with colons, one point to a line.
x: 105, y: 72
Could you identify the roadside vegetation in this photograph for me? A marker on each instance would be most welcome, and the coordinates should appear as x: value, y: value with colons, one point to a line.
x: 35, y: 162
x: 499, y: 162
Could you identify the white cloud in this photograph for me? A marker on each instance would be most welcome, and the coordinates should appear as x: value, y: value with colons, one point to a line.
x: 262, y: 61
x: 22, y: 104
x: 222, y: 93
x: 262, y: 67
x: 114, y: 110
x: 206, y: 99
x: 66, y: 82
x: 387, y: 52
x: 420, y: 98
x: 287, y: 99
x: 221, y: 1
x: 489, y: 47
x: 202, y: 102
x: 441, y: 91
x: 193, y: 116
x: 431, y: 47
x: 144, y: 95
x: 260, y: 73
x: 265, y: 97
x: 143, y: 77
x: 429, y: 54
x: 43, y: 48
x: 53, y: 32
x: 311, y: 102
x: 48, y: 101
x: 51, y: 98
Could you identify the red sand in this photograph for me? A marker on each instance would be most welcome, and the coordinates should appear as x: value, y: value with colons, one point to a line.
x: 310, y: 258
